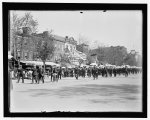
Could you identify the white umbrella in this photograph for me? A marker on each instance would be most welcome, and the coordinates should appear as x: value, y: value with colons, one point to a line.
x: 10, y: 56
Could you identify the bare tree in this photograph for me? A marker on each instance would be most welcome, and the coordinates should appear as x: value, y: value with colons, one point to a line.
x: 28, y: 21
x: 16, y: 24
x: 45, y: 48
x: 83, y: 39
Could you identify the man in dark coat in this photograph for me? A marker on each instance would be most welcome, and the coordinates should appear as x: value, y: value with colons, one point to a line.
x: 83, y: 72
x: 34, y: 75
x: 76, y: 72
x: 94, y: 71
x: 114, y: 72
x: 89, y: 72
x: 59, y: 73
x: 41, y: 74
x: 20, y: 74
x: 125, y: 69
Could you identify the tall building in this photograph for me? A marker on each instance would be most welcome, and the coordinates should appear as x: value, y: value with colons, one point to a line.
x: 26, y: 45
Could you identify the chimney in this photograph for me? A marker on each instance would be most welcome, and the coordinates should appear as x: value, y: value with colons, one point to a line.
x: 46, y: 34
x: 66, y: 38
x: 26, y: 30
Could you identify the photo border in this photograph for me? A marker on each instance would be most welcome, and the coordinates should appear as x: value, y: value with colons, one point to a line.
x: 7, y: 6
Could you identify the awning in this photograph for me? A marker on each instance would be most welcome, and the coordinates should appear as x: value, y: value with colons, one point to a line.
x: 29, y: 62
x: 83, y: 65
x: 40, y: 63
x: 92, y: 64
x: 67, y: 65
x: 32, y: 62
x: 52, y: 64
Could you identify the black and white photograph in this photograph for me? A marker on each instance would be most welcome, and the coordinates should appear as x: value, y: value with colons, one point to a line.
x: 80, y: 60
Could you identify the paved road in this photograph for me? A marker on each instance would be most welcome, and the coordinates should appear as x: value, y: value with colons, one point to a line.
x: 104, y: 94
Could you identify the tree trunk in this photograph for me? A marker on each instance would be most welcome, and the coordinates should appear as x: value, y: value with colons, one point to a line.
x: 44, y: 66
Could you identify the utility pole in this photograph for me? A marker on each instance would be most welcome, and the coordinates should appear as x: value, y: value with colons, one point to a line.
x: 80, y: 26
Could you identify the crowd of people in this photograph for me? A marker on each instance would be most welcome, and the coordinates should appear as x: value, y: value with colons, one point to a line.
x: 37, y: 73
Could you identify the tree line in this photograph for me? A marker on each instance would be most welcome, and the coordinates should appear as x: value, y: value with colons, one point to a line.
x: 115, y: 55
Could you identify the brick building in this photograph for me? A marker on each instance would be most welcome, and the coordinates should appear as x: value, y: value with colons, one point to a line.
x: 26, y: 46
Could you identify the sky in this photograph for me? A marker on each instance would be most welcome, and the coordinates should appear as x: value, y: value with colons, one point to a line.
x: 97, y: 28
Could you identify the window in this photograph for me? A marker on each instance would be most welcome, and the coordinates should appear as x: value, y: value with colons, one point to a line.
x: 25, y: 41
x: 55, y: 46
x: 18, y: 53
x: 26, y: 55
x: 30, y: 55
x: 67, y: 46
x: 60, y: 47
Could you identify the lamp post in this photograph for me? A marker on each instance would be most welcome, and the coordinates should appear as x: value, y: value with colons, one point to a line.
x: 80, y: 25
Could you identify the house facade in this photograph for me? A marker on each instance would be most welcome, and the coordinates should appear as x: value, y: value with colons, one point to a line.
x: 26, y: 47
x: 59, y: 44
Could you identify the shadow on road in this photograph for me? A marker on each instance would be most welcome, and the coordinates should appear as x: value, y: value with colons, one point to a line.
x: 123, y: 91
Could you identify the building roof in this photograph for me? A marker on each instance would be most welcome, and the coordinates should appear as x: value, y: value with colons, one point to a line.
x: 83, y: 44
x: 59, y: 38
x: 71, y: 41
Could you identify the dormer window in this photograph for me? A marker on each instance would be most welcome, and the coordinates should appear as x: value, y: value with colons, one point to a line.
x: 26, y: 55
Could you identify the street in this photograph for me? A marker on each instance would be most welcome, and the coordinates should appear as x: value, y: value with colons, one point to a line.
x: 85, y: 94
